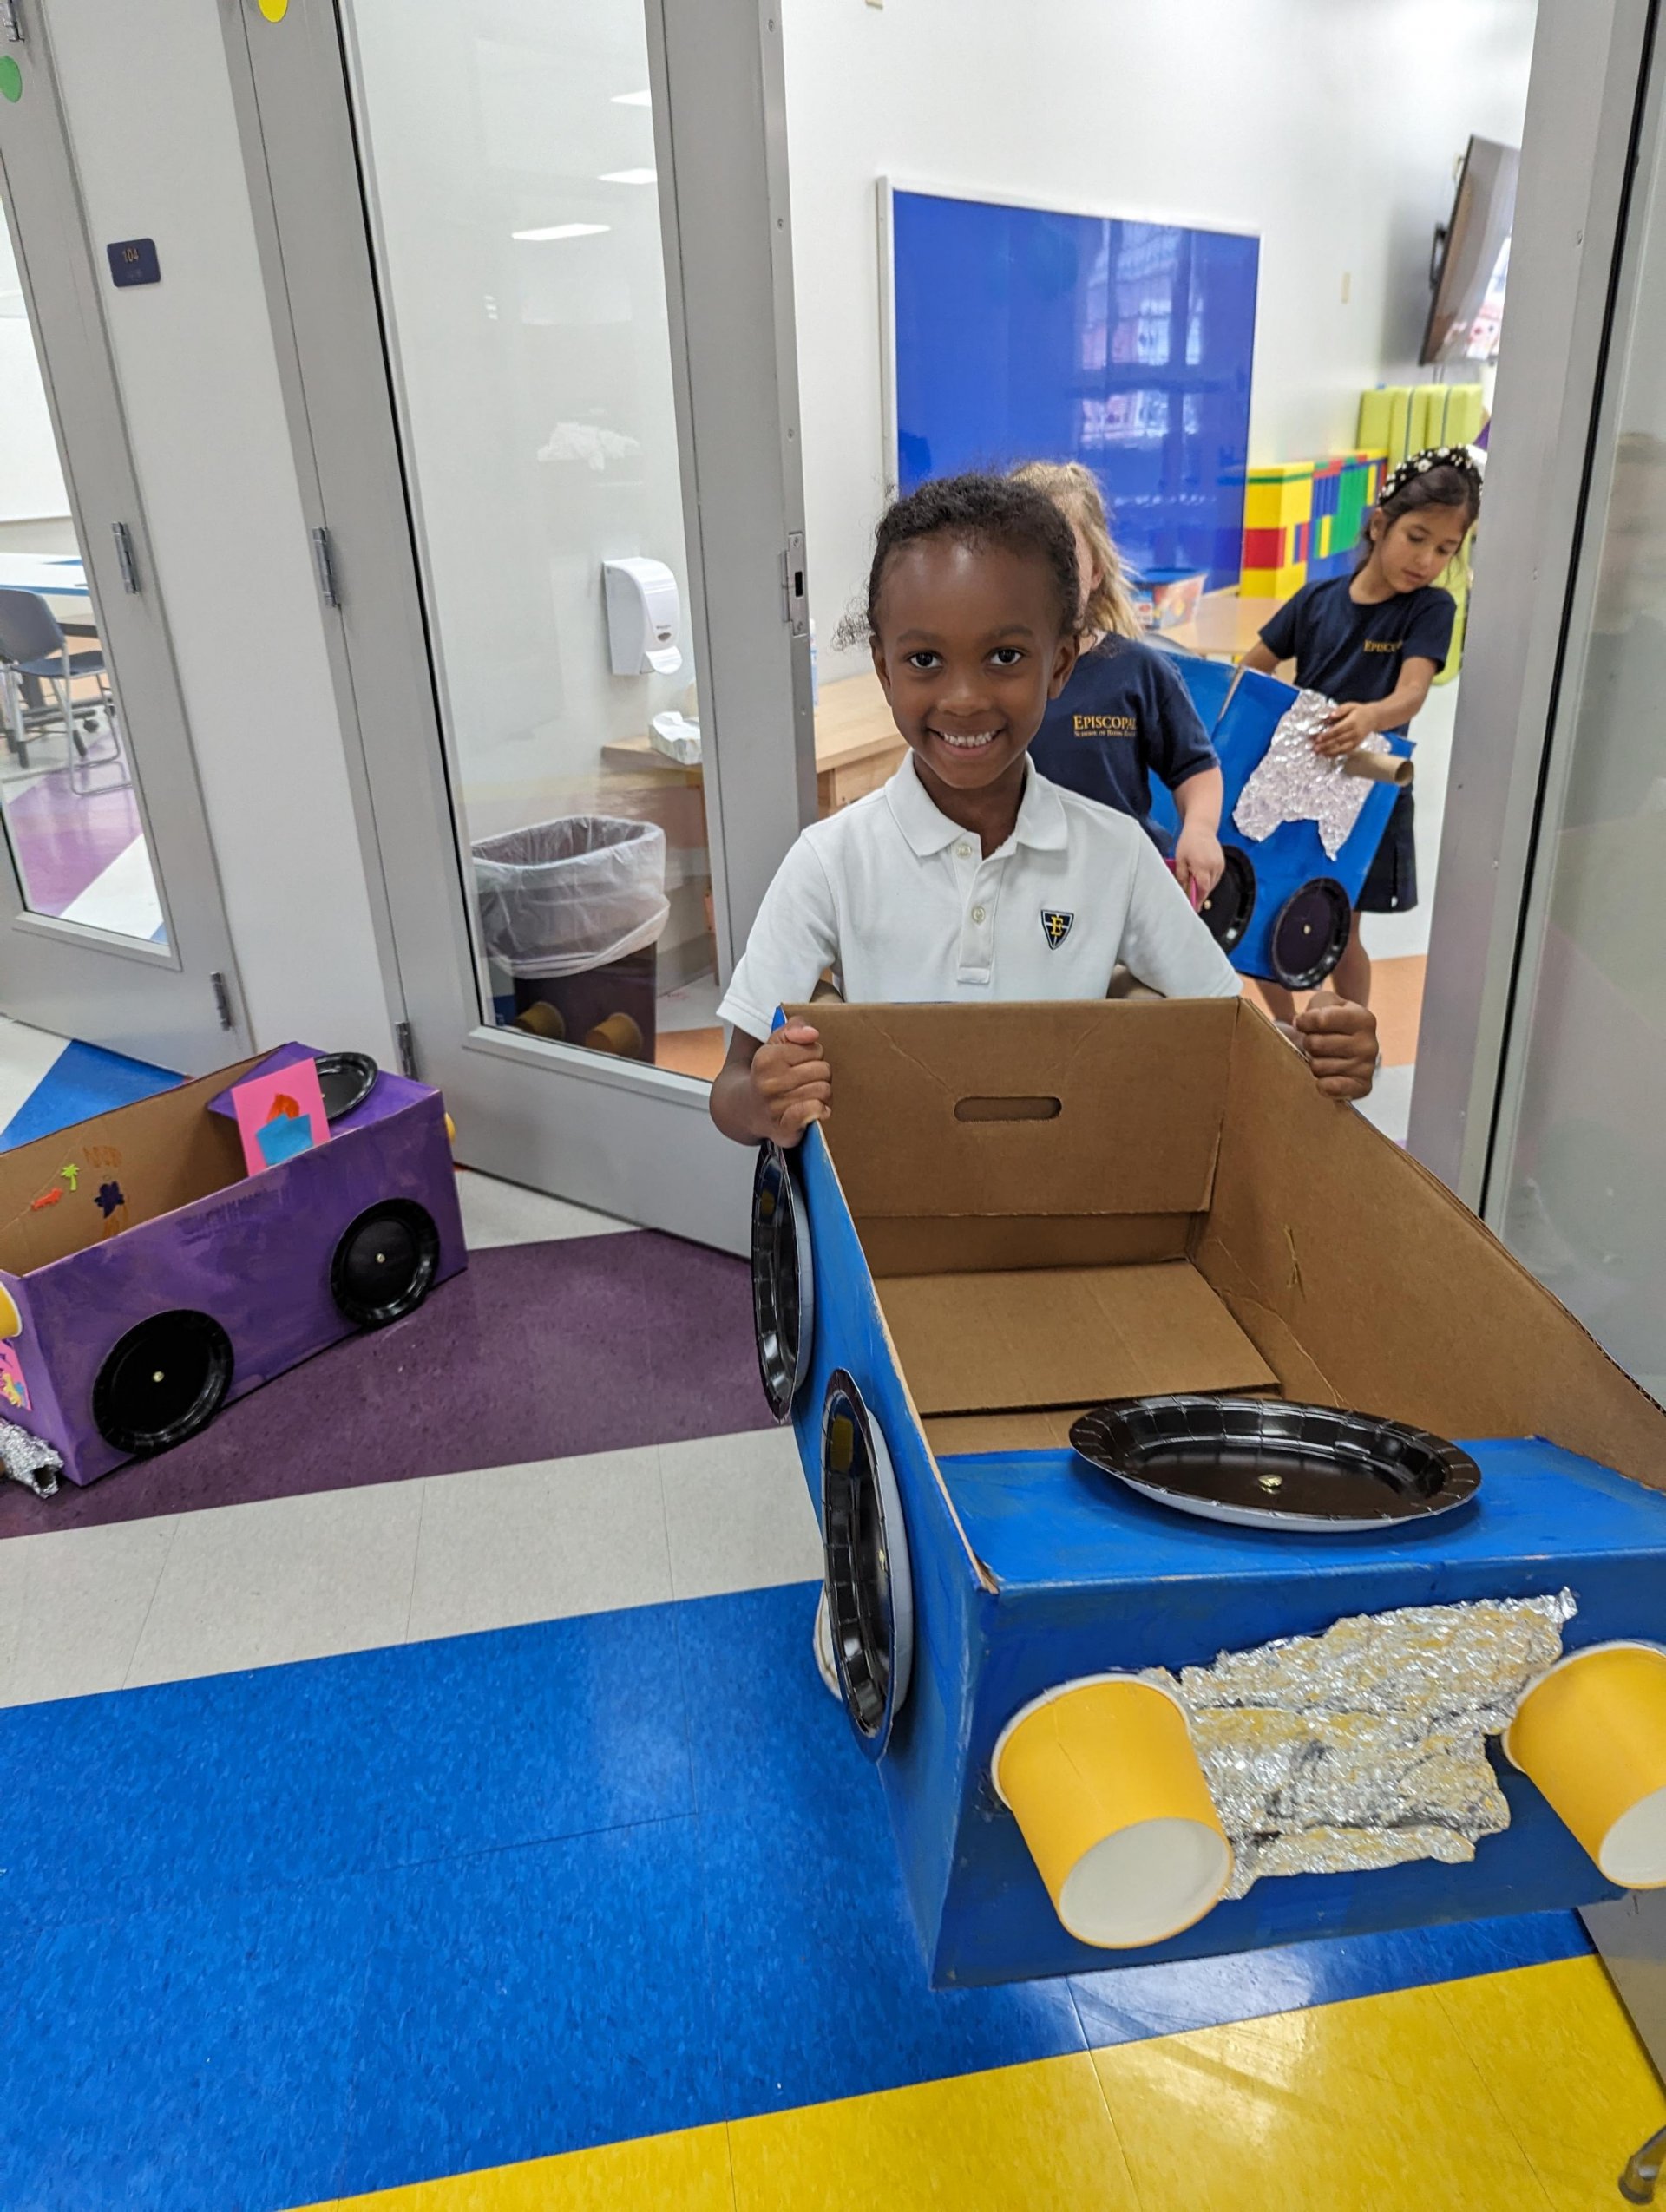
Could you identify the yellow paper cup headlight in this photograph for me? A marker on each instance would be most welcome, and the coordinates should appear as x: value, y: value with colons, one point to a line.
x: 1592, y: 1733
x: 1102, y: 1779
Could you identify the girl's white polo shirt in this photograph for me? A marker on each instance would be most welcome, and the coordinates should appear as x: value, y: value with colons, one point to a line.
x: 900, y: 903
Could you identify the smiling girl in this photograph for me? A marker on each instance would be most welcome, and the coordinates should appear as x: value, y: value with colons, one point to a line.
x: 969, y: 876
x: 1374, y: 642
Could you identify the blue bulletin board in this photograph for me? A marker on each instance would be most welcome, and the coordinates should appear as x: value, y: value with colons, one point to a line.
x: 1019, y: 334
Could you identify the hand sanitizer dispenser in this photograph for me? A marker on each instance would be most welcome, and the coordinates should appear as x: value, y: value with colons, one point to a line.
x: 643, y: 618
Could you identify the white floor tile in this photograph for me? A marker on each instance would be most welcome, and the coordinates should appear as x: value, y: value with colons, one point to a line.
x: 73, y: 1604
x: 738, y: 1515
x: 283, y: 1579
x: 538, y: 1542
x: 1389, y: 1106
x: 497, y: 1213
x: 122, y: 897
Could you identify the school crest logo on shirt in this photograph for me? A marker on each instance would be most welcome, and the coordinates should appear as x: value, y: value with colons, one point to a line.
x: 1055, y: 926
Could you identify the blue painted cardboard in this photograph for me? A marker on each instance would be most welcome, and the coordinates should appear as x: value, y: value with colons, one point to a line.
x: 1030, y: 1568
x: 1241, y: 726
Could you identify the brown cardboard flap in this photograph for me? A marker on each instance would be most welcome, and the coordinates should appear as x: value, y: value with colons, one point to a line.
x: 1365, y: 1283
x: 1045, y: 1428
x: 63, y: 1193
x: 966, y: 1243
x: 1141, y: 1092
x: 1065, y: 1336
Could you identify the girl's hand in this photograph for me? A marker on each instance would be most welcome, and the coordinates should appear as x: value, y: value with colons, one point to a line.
x: 791, y: 1084
x: 1199, y: 863
x: 1341, y: 1042
x: 1345, y: 731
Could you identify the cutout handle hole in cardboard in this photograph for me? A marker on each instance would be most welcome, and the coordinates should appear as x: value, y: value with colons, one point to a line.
x: 1008, y: 1110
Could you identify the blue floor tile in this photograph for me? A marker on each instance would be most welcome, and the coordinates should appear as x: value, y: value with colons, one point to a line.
x: 533, y: 2001
x: 188, y: 2061
x: 84, y: 1080
x: 821, y: 1987
x: 143, y: 1797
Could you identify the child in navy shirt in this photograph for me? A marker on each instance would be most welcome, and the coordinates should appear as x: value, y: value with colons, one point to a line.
x: 1374, y: 642
x: 1125, y: 716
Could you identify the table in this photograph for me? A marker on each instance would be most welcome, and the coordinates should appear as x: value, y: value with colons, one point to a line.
x: 857, y: 745
x: 55, y: 576
x: 1224, y: 627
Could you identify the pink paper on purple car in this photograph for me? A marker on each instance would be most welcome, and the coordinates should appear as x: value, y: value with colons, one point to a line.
x: 279, y: 1114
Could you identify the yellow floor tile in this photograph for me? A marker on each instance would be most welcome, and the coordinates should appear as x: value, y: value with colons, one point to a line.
x: 1020, y: 2139
x: 1332, y: 2110
x: 688, y: 2171
x: 1564, y: 2066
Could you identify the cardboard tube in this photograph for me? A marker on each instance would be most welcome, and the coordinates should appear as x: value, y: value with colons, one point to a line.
x: 1592, y: 1733
x: 1102, y: 1779
x: 1378, y: 768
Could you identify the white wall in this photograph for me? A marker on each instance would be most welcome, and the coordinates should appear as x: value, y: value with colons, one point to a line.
x: 1330, y: 127
x: 31, y: 482
x: 149, y: 104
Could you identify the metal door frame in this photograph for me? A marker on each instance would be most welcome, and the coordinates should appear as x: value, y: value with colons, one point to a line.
x: 1524, y: 650
x: 624, y: 1138
x: 176, y: 1003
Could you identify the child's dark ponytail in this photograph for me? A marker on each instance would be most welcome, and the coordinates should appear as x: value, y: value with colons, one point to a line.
x: 976, y: 510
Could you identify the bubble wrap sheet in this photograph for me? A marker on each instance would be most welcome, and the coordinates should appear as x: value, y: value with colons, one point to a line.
x: 1294, y: 783
x: 1366, y: 1746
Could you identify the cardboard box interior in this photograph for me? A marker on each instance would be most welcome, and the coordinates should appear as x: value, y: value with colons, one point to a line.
x: 149, y: 1158
x: 1063, y: 1204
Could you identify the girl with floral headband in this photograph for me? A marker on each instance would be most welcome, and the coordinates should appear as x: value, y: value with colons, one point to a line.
x: 1374, y: 642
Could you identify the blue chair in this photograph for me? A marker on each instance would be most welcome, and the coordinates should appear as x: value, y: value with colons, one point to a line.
x: 34, y: 652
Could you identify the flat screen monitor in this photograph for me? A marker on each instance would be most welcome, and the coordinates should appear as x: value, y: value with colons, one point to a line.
x: 1472, y: 257
x: 1022, y: 334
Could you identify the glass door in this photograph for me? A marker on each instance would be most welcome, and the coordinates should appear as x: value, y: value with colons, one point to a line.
x: 1578, y: 1178
x: 557, y: 479
x: 99, y: 807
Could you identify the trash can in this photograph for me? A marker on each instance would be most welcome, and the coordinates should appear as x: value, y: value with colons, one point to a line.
x: 573, y: 910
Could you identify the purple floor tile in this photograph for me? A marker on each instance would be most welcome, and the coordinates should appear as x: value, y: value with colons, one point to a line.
x: 64, y: 841
x: 537, y: 1351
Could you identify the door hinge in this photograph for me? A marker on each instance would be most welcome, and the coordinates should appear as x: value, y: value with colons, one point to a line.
x: 222, y: 999
x: 406, y: 1043
x: 323, y: 559
x: 795, y: 590
x: 11, y: 21
x: 125, y: 559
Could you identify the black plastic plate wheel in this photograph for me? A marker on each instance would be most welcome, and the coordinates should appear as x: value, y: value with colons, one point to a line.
x: 1309, y: 933
x: 346, y: 1080
x: 1261, y: 1463
x: 164, y: 1381
x: 1226, y: 911
x: 385, y: 1263
x: 865, y: 1567
x: 783, y: 1303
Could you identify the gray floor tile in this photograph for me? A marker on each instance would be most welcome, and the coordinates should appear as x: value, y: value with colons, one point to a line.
x: 73, y: 1605
x: 737, y: 1514
x: 283, y: 1579
x: 560, y: 1537
x: 498, y: 1213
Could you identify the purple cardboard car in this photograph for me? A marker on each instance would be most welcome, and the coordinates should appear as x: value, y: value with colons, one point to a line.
x: 147, y: 1278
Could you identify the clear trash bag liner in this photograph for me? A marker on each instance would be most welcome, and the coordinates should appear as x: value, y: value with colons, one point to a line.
x: 562, y: 898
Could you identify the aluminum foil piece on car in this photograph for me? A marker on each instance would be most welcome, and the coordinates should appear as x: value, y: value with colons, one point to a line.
x: 25, y: 1459
x: 1366, y: 1746
x: 1294, y: 783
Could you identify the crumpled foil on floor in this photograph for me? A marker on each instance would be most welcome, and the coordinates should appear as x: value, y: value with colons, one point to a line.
x: 25, y: 1459
x: 1294, y: 783
x: 1366, y: 1746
